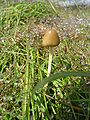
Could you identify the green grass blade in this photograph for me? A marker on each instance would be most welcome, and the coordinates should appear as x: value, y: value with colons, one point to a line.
x: 59, y: 75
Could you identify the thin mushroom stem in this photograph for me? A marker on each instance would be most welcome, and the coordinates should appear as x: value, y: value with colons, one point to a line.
x: 50, y: 61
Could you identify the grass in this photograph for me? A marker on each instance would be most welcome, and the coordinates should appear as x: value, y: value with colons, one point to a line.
x: 23, y: 63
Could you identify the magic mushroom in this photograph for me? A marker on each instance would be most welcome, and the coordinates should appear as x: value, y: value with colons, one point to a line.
x: 50, y: 39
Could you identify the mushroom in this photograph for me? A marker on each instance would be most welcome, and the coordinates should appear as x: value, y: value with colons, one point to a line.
x: 50, y: 39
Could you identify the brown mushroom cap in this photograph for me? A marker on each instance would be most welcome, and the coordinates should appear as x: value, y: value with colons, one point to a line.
x: 51, y: 38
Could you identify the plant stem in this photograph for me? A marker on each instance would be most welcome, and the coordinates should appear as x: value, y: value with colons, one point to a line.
x: 50, y: 61
x: 26, y: 95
